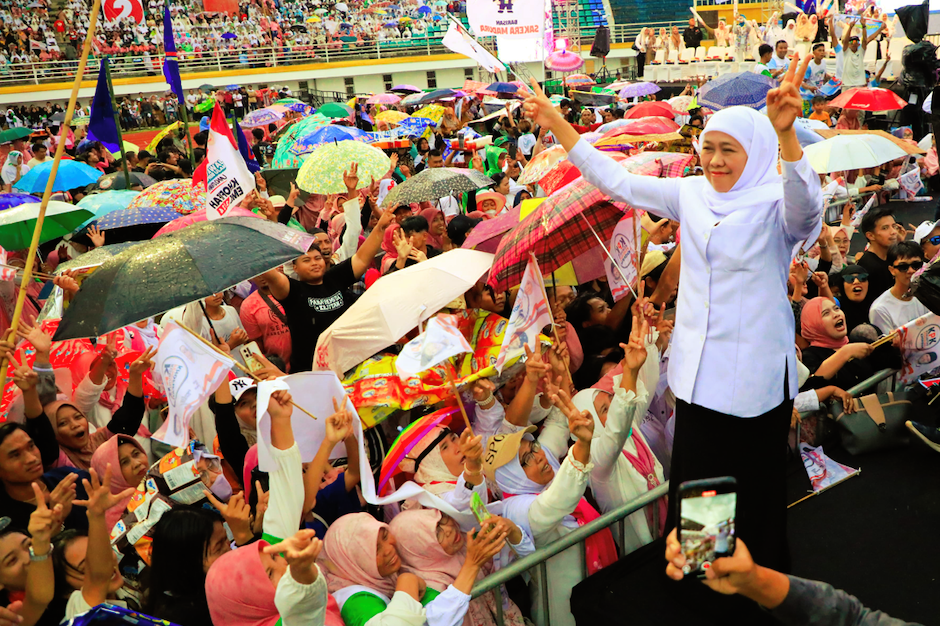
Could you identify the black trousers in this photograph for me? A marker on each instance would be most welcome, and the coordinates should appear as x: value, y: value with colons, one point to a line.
x: 709, y: 444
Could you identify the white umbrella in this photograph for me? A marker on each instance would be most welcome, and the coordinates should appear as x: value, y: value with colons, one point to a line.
x: 395, y: 304
x: 852, y: 152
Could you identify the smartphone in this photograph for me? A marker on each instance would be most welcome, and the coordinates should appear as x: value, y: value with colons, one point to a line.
x: 247, y: 352
x: 706, y: 521
x: 478, y: 508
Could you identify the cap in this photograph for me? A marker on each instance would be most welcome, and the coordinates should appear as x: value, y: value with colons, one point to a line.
x: 923, y: 230
x: 501, y: 449
x: 239, y: 386
x: 652, y: 260
x: 278, y: 201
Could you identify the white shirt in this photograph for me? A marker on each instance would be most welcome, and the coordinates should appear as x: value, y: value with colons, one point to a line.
x: 889, y: 313
x: 733, y: 340
x: 853, y: 68
x: 299, y: 604
x: 776, y: 63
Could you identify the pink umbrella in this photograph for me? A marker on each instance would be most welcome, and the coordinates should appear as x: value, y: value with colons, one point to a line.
x: 384, y: 98
x: 200, y: 216
x: 564, y: 61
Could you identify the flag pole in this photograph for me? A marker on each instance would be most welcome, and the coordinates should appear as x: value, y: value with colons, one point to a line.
x: 59, y: 151
x: 117, y: 122
x: 184, y: 113
x: 607, y: 252
x: 463, y: 411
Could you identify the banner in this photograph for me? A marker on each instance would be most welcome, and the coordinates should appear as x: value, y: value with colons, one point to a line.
x: 115, y: 10
x: 623, y: 248
x: 458, y: 40
x: 910, y: 183
x: 517, y: 19
x: 920, y: 347
x: 857, y: 218
x: 6, y: 273
x: 823, y: 472
x: 228, y: 179
x: 440, y: 340
x: 189, y: 372
x: 530, y: 314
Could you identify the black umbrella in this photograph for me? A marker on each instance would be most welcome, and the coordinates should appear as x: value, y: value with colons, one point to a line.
x: 117, y: 181
x: 175, y: 269
x: 437, y: 94
x: 436, y: 183
x: 279, y: 180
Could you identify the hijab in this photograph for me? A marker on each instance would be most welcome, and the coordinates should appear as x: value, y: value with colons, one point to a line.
x: 491, y: 164
x: 335, y: 230
x: 812, y: 329
x: 420, y: 551
x: 855, y: 312
x: 759, y: 182
x: 348, y: 554
x: 108, y: 453
x: 238, y: 590
x: 251, y: 462
x: 432, y: 472
x: 388, y: 241
x: 433, y: 240
x: 81, y: 367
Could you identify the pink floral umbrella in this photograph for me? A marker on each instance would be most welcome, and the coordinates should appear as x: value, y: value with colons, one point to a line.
x: 384, y: 98
x: 178, y: 194
x: 564, y: 61
x: 199, y: 216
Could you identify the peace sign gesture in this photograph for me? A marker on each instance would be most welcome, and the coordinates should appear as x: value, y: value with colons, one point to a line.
x: 538, y: 108
x: 784, y: 103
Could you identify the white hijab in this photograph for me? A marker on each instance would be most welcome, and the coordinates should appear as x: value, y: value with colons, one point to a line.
x: 759, y: 181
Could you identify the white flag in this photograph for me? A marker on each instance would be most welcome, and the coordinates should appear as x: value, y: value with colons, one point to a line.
x: 189, y: 372
x: 857, y: 219
x: 623, y: 249
x: 459, y: 40
x: 530, y: 314
x: 920, y: 347
x: 440, y: 340
x: 228, y: 180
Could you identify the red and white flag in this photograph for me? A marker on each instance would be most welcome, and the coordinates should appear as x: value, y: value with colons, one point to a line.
x: 228, y: 180
x: 6, y: 273
x: 530, y: 314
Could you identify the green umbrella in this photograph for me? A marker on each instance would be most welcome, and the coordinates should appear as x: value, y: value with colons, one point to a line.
x: 322, y: 172
x: 288, y: 101
x: 175, y: 269
x: 12, y: 134
x: 433, y: 184
x: 17, y: 224
x: 283, y: 157
x: 334, y: 110
x: 204, y: 106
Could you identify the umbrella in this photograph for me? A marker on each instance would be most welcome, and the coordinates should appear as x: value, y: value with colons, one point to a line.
x: 593, y: 99
x: 397, y: 303
x: 81, y: 120
x: 320, y: 11
x: 498, y: 87
x: 392, y: 23
x: 261, y: 117
x: 556, y: 233
x: 680, y: 103
x: 347, y: 39
x: 229, y: 36
x: 199, y: 216
x: 425, y: 10
x: 637, y: 90
x: 322, y: 172
x: 651, y: 109
x: 12, y: 134
x: 869, y: 100
x: 564, y: 61
x: 579, y: 79
x: 71, y: 174
x: 117, y: 181
x: 137, y: 216
x: 738, y: 88
x: 103, y: 203
x: 433, y: 112
x: 438, y: 94
x: 341, y: 6
x: 433, y: 184
x: 204, y: 107
x: 335, y: 110
x: 10, y: 200
x: 408, y: 438
x: 384, y: 98
x: 486, y: 235
x: 638, y: 126
x: 207, y: 88
x: 152, y: 146
x: 94, y: 257
x: 658, y: 164
x: 406, y: 89
x: 17, y: 224
x: 324, y: 135
x: 314, y: 19
x: 541, y: 164
x: 437, y: 18
x: 413, y: 99
x: 850, y: 152
x: 58, y: 117
x: 126, y: 146
x: 179, y: 195
x: 287, y: 101
x: 158, y: 275
x: 283, y: 157
x: 565, y: 172
x: 391, y: 117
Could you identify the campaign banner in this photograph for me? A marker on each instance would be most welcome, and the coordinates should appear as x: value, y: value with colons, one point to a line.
x: 910, y: 183
x: 857, y: 218
x: 440, y: 340
x: 228, y: 179
x: 530, y: 314
x: 458, y: 40
x: 515, y: 19
x: 623, y: 250
x: 823, y: 472
x: 920, y: 347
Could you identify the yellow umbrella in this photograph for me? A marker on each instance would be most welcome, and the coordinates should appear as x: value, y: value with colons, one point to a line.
x: 313, y: 20
x: 391, y: 117
x: 152, y: 146
x: 381, y: 12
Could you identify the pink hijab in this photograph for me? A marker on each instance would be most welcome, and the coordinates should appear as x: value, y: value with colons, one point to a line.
x: 251, y: 462
x: 420, y: 551
x: 429, y: 215
x: 337, y: 222
x: 931, y: 163
x: 238, y: 590
x: 108, y: 453
x: 80, y: 368
x: 812, y: 329
x: 349, y: 555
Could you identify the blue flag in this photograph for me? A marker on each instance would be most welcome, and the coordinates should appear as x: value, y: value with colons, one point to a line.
x: 171, y: 68
x: 101, y: 126
x: 245, y: 150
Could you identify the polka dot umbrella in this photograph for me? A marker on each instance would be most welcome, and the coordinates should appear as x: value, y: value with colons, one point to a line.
x: 10, y: 200
x: 322, y: 172
x: 177, y: 194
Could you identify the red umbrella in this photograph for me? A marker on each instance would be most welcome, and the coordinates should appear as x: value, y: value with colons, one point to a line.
x: 643, y: 126
x: 867, y: 99
x: 565, y: 172
x: 651, y: 109
x: 199, y: 216
x: 486, y: 235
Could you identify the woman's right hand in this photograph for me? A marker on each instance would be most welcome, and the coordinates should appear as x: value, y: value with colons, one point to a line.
x: 483, y: 546
x: 540, y: 109
x: 43, y: 521
x: 856, y: 350
x: 848, y: 402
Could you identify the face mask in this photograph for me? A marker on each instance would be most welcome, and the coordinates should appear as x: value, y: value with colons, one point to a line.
x: 221, y: 489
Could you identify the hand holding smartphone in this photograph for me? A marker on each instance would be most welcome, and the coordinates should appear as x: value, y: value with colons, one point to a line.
x: 706, y: 517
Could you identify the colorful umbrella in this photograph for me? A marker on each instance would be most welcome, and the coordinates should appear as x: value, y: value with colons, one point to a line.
x: 71, y: 174
x: 261, y: 117
x: 651, y: 109
x: 542, y: 163
x: 391, y: 117
x: 680, y: 103
x: 205, y: 106
x: 335, y: 110
x: 10, y: 200
x: 322, y: 172
x: 638, y: 90
x: 152, y: 146
x: 179, y: 195
x: 406, y: 89
x: 435, y: 183
x: 578, y: 79
x: 408, y: 438
x: 564, y: 61
x: 658, y: 164
x: 869, y: 100
x: 283, y: 157
x: 324, y: 135
x: 103, y: 203
x: 433, y: 112
x: 199, y: 216
x: 384, y: 98
x: 738, y: 88
x: 17, y: 224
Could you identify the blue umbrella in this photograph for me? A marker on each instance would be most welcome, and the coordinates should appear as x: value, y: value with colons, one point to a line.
x: 424, y: 10
x: 393, y: 7
x: 391, y: 23
x: 10, y: 200
x: 345, y: 25
x: 229, y: 36
x: 124, y: 218
x: 437, y: 18
x: 102, y: 204
x: 261, y: 117
x: 71, y: 174
x: 739, y: 88
x: 326, y: 134
x: 502, y: 88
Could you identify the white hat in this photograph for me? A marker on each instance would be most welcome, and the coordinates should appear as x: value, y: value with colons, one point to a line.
x: 239, y: 386
x: 923, y: 230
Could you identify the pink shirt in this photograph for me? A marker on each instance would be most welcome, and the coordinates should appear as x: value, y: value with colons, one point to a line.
x: 261, y: 323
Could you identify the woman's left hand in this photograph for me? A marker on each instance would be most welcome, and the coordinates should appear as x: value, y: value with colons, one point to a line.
x: 143, y: 363
x: 784, y: 103
x: 483, y: 546
x: 100, y: 498
x: 301, y: 552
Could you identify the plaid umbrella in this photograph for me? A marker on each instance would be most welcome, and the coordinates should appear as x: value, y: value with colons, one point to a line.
x: 565, y: 172
x: 542, y: 163
x: 322, y: 172
x: 638, y: 90
x: 433, y: 184
x: 739, y: 88
x: 179, y: 195
x: 639, y: 126
x: 261, y: 117
x: 658, y: 164
x: 651, y: 109
x: 556, y: 233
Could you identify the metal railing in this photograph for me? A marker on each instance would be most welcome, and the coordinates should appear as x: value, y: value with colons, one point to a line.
x: 873, y: 381
x: 538, y: 558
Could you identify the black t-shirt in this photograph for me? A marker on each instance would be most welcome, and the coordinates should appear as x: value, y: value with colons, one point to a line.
x: 19, y: 512
x: 879, y: 276
x: 310, y: 310
x: 692, y: 36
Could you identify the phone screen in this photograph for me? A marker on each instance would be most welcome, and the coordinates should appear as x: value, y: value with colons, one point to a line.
x: 706, y: 530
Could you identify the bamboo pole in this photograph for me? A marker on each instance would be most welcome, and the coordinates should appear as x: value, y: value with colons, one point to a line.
x: 47, y: 194
x: 463, y: 411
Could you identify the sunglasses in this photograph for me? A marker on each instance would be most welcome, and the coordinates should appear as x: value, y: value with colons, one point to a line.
x: 851, y: 278
x: 903, y: 267
x: 935, y: 240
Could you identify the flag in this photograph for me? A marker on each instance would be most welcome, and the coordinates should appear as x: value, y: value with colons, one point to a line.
x: 530, y: 314
x: 6, y: 273
x: 910, y: 183
x: 245, y: 150
x: 458, y: 40
x: 920, y: 347
x: 857, y: 219
x: 171, y: 68
x: 116, y: 10
x: 823, y: 472
x: 189, y: 372
x: 623, y: 249
x: 440, y: 340
x: 228, y: 177
x: 101, y: 126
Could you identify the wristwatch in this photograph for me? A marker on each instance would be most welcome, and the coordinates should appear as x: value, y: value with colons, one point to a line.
x: 33, y: 557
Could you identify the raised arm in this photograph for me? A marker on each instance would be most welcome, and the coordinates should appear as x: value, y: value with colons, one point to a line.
x: 848, y: 33
x: 338, y: 428
x: 873, y: 36
x: 373, y: 243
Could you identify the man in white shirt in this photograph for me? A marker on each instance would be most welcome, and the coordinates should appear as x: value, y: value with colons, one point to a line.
x: 853, y: 71
x: 779, y: 63
x: 896, y: 306
x: 816, y: 75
